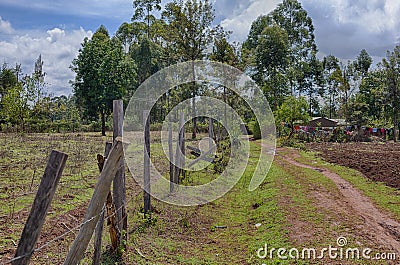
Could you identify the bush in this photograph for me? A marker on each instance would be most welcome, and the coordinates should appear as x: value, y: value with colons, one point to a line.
x: 291, y: 142
x: 255, y: 129
x: 156, y: 126
x: 224, y: 153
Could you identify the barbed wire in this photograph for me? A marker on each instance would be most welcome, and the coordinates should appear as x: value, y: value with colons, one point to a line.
x: 72, y: 230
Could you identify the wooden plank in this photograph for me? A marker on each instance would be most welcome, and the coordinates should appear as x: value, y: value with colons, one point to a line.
x: 111, y: 213
x: 41, y: 204
x: 98, y: 240
x: 194, y: 149
x: 203, y: 157
x: 200, y: 154
x: 96, y: 203
x: 119, y: 188
x: 146, y: 173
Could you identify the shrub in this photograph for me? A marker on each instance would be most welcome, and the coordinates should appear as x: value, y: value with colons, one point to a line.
x: 256, y: 130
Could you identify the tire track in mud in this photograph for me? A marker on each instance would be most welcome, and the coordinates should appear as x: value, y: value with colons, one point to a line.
x: 384, y: 230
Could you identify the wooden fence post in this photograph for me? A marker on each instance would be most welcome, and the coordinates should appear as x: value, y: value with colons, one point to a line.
x: 41, y: 205
x: 171, y: 158
x: 180, y: 149
x: 119, y: 188
x: 210, y: 133
x: 100, y: 224
x: 146, y: 194
x: 96, y: 204
x: 182, y: 144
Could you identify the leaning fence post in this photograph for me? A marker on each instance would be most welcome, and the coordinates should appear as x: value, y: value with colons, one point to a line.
x: 100, y: 224
x: 41, y: 205
x: 96, y: 203
x: 146, y: 194
x: 119, y: 188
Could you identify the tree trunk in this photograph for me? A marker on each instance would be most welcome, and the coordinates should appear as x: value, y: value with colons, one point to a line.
x: 194, y: 133
x: 103, y: 123
x: 395, y: 125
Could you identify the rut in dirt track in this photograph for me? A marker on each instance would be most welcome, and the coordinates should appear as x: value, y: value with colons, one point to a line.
x: 386, y: 230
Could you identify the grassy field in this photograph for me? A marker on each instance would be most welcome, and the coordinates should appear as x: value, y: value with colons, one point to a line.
x: 281, y: 213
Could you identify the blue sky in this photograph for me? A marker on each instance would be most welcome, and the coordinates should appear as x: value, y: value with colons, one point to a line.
x: 56, y: 28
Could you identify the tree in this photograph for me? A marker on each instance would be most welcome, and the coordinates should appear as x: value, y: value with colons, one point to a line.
x: 15, y: 108
x: 293, y: 109
x: 189, y: 27
x: 332, y: 74
x: 290, y: 16
x: 267, y: 59
x: 391, y: 65
x: 357, y: 111
x: 143, y: 9
x: 103, y: 73
x: 272, y: 53
x: 280, y: 53
x: 373, y: 93
x: 224, y: 52
x: 363, y: 63
x: 313, y: 82
x: 34, y: 84
x: 8, y: 79
x: 353, y: 74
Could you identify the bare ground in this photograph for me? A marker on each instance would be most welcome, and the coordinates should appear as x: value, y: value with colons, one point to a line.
x: 348, y: 207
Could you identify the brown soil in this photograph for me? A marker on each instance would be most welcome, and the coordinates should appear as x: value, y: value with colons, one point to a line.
x: 377, y: 161
x: 54, y: 233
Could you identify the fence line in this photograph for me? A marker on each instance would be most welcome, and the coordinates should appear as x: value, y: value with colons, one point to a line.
x: 68, y: 232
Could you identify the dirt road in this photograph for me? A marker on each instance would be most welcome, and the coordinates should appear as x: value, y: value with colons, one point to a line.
x: 375, y: 227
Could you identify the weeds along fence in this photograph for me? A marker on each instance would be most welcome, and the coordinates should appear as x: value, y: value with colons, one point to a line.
x: 106, y: 204
x: 102, y: 207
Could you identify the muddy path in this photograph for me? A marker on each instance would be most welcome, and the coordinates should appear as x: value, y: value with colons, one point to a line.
x: 377, y: 226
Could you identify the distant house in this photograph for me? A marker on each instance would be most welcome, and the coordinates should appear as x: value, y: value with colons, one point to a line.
x: 341, y: 122
x: 322, y: 122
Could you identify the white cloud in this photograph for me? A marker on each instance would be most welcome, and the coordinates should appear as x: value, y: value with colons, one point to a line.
x: 373, y: 15
x: 57, y: 47
x: 344, y: 27
x: 55, y: 34
x: 240, y: 19
x: 5, y: 27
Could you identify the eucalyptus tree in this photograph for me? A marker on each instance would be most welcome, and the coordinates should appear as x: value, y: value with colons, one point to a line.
x: 391, y: 65
x: 332, y: 75
x: 289, y: 33
x: 144, y: 9
x: 189, y: 27
x: 373, y: 92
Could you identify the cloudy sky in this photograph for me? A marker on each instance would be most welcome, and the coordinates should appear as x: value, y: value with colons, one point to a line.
x: 56, y: 28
